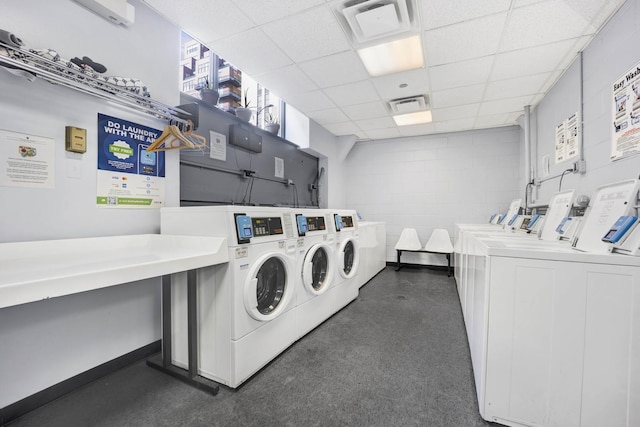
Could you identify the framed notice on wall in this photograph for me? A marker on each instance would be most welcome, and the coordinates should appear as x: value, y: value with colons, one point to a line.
x: 128, y: 175
x: 625, y: 140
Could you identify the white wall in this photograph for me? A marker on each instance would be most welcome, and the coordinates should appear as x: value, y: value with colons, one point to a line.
x: 46, y: 342
x: 607, y: 57
x: 332, y: 185
x: 433, y: 181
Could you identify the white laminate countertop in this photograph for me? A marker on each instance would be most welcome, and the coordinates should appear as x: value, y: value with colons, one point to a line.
x: 33, y: 271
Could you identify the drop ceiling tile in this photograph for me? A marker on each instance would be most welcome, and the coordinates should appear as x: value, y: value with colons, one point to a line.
x: 369, y: 110
x: 379, y: 123
x: 458, y: 96
x: 511, y: 88
x: 353, y: 93
x: 383, y: 133
x: 309, y: 101
x: 332, y: 115
x: 344, y: 128
x: 465, y: 73
x: 594, y: 11
x: 335, y: 70
x: 362, y: 136
x: 202, y: 18
x: 252, y: 51
x: 542, y: 23
x: 453, y: 113
x: 440, y: 13
x: 491, y: 120
x: 510, y: 105
x: 285, y: 80
x: 512, y: 119
x: 311, y: 34
x: 415, y: 130
x: 553, y: 78
x: 466, y: 40
x: 521, y: 3
x: 388, y: 86
x: 454, y: 125
x: 264, y: 11
x: 297, y: 49
x: 534, y: 60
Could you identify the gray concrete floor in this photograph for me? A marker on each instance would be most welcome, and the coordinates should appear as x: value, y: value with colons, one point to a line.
x: 397, y: 356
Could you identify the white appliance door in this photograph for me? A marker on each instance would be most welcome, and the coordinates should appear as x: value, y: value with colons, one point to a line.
x: 317, y: 269
x: 348, y: 258
x: 267, y: 289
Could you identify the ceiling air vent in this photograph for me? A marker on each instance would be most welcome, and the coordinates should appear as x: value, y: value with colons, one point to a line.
x: 374, y: 19
x: 409, y: 105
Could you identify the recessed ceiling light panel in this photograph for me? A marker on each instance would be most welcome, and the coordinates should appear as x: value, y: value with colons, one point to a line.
x: 393, y: 57
x: 417, y: 118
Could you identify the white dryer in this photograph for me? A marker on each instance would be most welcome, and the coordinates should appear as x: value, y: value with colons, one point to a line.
x: 246, y: 308
x: 315, y: 269
x: 345, y: 228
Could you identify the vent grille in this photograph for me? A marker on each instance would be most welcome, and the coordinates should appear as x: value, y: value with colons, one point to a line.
x: 409, y: 105
x: 371, y: 20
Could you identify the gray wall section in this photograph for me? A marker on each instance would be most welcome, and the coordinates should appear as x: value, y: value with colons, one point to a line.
x: 223, y: 182
x: 609, y: 55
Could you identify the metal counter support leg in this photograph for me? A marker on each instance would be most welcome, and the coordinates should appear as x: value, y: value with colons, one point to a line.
x: 166, y: 321
x: 449, y: 265
x: 191, y: 376
x: 192, y: 322
x: 399, y: 265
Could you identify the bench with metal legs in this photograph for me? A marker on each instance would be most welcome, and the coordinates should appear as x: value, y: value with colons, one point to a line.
x: 439, y: 243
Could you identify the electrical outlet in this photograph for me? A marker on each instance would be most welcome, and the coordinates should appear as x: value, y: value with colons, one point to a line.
x: 581, y: 166
x: 289, y: 182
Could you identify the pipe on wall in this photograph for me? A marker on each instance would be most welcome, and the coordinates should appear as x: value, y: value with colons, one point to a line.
x: 527, y: 152
x: 581, y: 108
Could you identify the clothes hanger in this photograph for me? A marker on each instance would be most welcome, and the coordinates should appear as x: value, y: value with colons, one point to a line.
x: 171, y: 138
x: 197, y: 140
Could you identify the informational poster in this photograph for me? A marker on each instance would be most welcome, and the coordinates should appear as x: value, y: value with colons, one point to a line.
x: 128, y: 175
x: 218, y: 146
x: 625, y: 138
x: 567, y: 146
x: 26, y: 160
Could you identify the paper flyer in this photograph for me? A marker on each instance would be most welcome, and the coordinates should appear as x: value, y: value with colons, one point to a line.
x: 128, y: 176
x: 625, y: 137
x: 567, y: 146
x: 26, y: 160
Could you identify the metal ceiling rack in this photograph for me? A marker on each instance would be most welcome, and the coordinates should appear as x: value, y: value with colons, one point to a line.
x: 57, y: 72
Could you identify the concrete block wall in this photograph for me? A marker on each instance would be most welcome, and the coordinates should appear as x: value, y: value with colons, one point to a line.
x: 435, y: 181
x: 609, y: 55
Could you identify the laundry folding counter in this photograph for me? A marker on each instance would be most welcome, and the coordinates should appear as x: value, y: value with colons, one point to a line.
x: 35, y: 271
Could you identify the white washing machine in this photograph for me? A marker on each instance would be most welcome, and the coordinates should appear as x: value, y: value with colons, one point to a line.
x: 315, y: 269
x: 246, y: 308
x: 345, y: 286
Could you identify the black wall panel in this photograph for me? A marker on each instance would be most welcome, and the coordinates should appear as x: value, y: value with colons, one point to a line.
x: 206, y: 181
